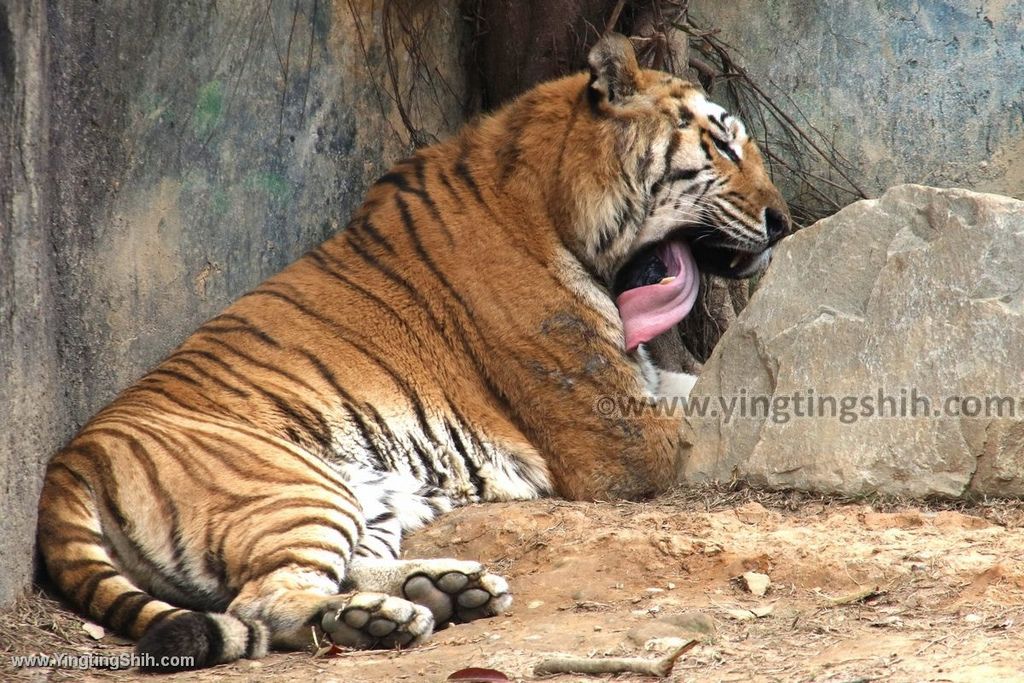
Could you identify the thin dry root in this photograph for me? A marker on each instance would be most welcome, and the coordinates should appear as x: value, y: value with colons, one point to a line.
x: 614, y: 665
x: 855, y: 597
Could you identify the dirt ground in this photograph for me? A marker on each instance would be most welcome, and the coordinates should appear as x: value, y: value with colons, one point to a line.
x: 859, y: 592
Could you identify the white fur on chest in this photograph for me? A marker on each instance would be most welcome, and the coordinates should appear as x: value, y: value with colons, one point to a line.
x: 663, y: 382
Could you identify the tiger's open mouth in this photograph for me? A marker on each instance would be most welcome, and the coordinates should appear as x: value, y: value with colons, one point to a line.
x: 658, y: 286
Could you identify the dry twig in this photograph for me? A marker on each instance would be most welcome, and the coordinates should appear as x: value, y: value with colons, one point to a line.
x: 661, y: 667
x: 855, y: 597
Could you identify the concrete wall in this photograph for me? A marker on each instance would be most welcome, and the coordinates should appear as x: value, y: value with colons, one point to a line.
x: 157, y: 159
x: 923, y: 91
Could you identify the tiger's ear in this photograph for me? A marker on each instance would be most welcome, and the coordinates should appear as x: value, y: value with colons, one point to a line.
x: 614, y: 70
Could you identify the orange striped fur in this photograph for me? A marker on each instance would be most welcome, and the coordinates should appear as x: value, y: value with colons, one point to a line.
x: 447, y: 347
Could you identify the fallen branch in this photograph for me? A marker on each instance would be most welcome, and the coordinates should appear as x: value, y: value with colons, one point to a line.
x: 614, y: 665
x: 855, y: 597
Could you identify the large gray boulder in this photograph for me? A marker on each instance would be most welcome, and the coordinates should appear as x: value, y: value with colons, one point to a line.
x: 918, y: 295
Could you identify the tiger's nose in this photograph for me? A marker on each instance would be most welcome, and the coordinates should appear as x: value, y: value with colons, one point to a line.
x: 776, y: 224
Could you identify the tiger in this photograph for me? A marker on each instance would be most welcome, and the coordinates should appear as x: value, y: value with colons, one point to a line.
x: 447, y: 347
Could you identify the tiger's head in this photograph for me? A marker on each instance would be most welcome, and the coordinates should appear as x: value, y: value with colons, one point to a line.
x: 682, y: 188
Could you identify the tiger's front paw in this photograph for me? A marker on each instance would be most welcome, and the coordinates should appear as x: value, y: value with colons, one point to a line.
x: 456, y: 590
x: 374, y: 620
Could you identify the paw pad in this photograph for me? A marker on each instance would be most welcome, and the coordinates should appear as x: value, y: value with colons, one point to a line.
x: 375, y: 620
x: 463, y: 593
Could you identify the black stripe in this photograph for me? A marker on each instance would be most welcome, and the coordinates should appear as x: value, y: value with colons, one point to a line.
x: 383, y: 517
x: 88, y: 589
x: 295, y: 503
x: 347, y: 337
x: 163, y: 615
x: 734, y: 212
x: 77, y: 476
x: 365, y: 225
x: 468, y: 316
x: 205, y: 477
x: 183, y: 576
x: 443, y: 177
x: 178, y: 358
x: 726, y: 150
x: 277, y: 369
x: 322, y: 477
x: 683, y: 174
x: 508, y: 154
x: 244, y: 325
x: 463, y: 172
x: 297, y: 523
x: 163, y: 498
x: 471, y: 466
x: 181, y: 377
x: 202, y: 393
x: 264, y: 568
x: 606, y: 239
x: 62, y: 566
x: 189, y: 409
x: 252, y: 639
x: 414, y: 293
x: 704, y: 190
x: 323, y: 473
x: 76, y: 533
x: 135, y: 601
x: 670, y: 152
x: 364, y: 432
x: 389, y: 439
x: 69, y: 494
x: 426, y: 463
x: 329, y: 265
x: 349, y: 402
x: 310, y: 520
x: 320, y: 433
x: 705, y: 148
x: 395, y: 178
x: 214, y: 639
x: 108, y: 483
x: 644, y: 166
x: 410, y: 230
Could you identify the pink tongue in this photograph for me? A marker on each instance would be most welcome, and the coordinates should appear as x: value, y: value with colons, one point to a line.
x: 648, y: 311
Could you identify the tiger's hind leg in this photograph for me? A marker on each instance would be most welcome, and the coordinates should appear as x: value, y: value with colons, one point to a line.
x: 293, y: 603
x: 298, y: 598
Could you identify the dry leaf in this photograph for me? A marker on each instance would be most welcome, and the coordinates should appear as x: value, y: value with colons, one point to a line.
x: 95, y: 631
x: 328, y: 650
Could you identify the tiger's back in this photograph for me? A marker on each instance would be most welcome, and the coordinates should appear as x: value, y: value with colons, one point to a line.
x: 447, y: 347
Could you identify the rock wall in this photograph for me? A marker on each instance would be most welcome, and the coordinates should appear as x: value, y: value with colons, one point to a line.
x: 882, y: 353
x: 920, y: 91
x: 158, y: 159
